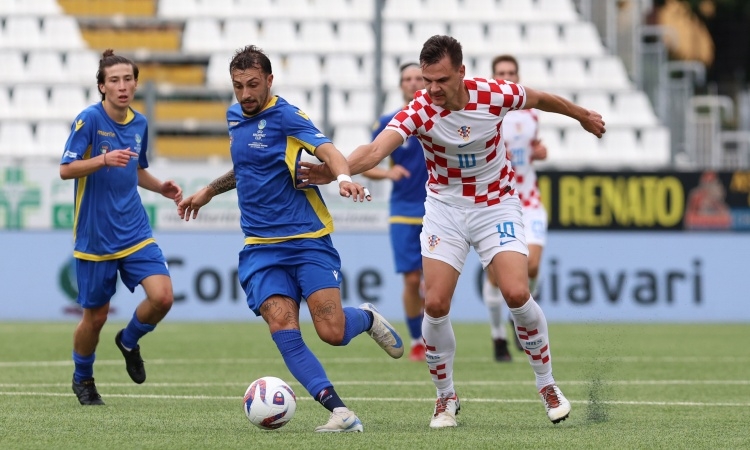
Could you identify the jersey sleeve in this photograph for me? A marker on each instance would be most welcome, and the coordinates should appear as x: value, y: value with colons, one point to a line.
x: 301, y: 128
x: 80, y: 139
x: 416, y: 114
x: 511, y: 95
x: 142, y: 156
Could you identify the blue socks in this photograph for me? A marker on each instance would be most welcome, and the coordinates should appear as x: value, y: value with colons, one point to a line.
x: 356, y: 322
x: 134, y: 331
x: 301, y: 362
x: 84, y: 366
x: 415, y: 326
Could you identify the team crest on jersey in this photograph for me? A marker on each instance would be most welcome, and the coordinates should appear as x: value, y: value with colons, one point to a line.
x: 138, y: 140
x: 464, y: 132
x: 104, y: 147
x: 432, y: 242
x: 262, y: 124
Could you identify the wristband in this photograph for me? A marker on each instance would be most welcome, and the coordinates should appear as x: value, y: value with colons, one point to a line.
x: 105, y: 158
x: 343, y: 177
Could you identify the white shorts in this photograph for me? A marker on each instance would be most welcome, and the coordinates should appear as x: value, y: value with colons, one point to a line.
x: 535, y: 222
x: 448, y: 231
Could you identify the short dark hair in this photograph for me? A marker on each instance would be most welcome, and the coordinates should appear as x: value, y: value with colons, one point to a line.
x: 109, y: 59
x: 251, y: 57
x: 437, y: 47
x: 503, y: 58
x: 405, y: 66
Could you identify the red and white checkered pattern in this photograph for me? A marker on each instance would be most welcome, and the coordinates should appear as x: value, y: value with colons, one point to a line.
x: 541, y: 354
x: 519, y: 129
x: 464, y: 149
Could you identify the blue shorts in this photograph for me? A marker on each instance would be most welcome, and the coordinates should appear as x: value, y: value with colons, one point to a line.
x: 97, y: 280
x: 295, y: 268
x: 407, y: 253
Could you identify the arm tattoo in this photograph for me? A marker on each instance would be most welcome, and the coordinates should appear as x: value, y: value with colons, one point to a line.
x: 224, y: 183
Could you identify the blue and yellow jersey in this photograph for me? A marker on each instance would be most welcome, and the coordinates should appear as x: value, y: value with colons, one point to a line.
x: 408, y: 194
x: 265, y: 150
x: 110, y: 220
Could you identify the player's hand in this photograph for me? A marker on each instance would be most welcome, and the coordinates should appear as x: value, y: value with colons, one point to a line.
x: 189, y: 206
x: 172, y: 190
x: 118, y: 158
x: 357, y: 191
x: 397, y: 172
x: 538, y: 150
x: 310, y: 173
x: 593, y: 123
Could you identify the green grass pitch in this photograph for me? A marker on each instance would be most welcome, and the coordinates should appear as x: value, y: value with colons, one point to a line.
x: 631, y: 386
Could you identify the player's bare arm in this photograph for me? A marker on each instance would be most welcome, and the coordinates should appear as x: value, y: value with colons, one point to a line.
x: 394, y: 173
x: 188, y: 208
x: 363, y: 158
x: 83, y: 167
x: 168, y: 189
x: 538, y: 150
x: 591, y: 121
x: 336, y: 163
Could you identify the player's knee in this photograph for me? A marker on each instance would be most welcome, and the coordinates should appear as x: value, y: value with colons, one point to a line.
x: 516, y: 296
x: 96, y: 319
x: 332, y: 335
x: 162, y: 299
x: 437, y: 307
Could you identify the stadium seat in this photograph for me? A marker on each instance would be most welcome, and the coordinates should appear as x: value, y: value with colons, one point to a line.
x: 517, y: 10
x: 239, y: 32
x: 294, y: 9
x: 22, y: 32
x: 581, y: 147
x: 302, y: 70
x: 479, y: 10
x: 552, y: 139
x: 348, y: 137
x: 441, y: 10
x: 505, y: 37
x: 343, y: 71
x: 204, y: 35
x: 279, y: 35
x: 255, y: 9
x: 555, y: 10
x: 317, y: 36
x: 599, y: 101
x: 569, y: 72
x: 389, y: 72
x: 29, y: 102
x: 393, y: 100
x: 534, y: 72
x: 17, y: 139
x: 81, y: 66
x: 609, y: 73
x: 215, y: 8
x: 355, y: 37
x: 50, y: 138
x: 402, y: 10
x: 13, y: 67
x: 423, y: 30
x: 472, y: 37
x: 357, y: 109
x: 4, y: 103
x: 396, y: 38
x: 633, y: 108
x: 45, y: 66
x: 217, y: 71
x: 29, y: 7
x: 581, y: 38
x: 656, y: 146
x: 67, y: 101
x: 542, y: 39
x: 93, y: 95
x: 619, y: 147
x: 177, y: 9
x: 61, y: 33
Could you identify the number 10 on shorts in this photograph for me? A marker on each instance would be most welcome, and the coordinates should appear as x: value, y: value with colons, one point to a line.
x: 506, y: 231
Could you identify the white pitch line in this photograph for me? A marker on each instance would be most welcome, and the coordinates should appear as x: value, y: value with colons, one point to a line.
x: 250, y: 361
x: 376, y: 399
x: 604, y: 382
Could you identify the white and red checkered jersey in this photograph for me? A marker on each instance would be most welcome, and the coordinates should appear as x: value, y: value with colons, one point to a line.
x: 464, y: 149
x: 520, y: 129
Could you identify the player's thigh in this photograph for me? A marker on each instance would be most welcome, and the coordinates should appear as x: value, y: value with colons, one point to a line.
x: 444, y: 235
x: 143, y: 264
x: 440, y: 279
x: 319, y: 277
x: 406, y: 247
x: 535, y: 256
x: 327, y: 314
x: 510, y: 270
x: 97, y: 282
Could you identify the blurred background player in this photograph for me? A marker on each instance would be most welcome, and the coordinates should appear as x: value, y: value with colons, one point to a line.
x: 409, y: 175
x: 288, y: 251
x: 106, y: 155
x: 520, y: 133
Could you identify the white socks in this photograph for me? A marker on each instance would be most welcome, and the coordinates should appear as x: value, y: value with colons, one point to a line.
x: 440, y: 345
x: 531, y: 328
x: 494, y: 300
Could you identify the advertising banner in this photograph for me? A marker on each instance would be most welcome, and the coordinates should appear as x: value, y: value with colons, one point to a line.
x: 585, y: 277
x: 647, y: 201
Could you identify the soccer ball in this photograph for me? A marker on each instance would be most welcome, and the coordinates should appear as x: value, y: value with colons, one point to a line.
x: 269, y: 403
